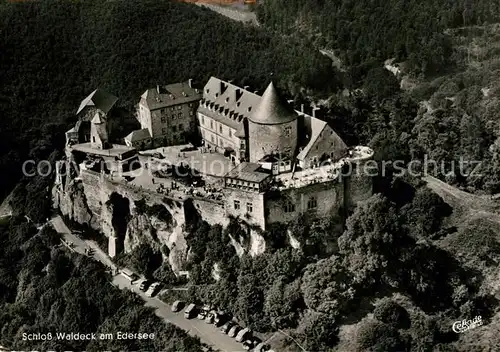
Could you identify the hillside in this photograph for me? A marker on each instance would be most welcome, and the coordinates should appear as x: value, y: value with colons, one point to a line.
x: 54, y: 54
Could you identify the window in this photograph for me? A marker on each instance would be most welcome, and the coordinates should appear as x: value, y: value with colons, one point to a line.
x: 230, y: 133
x: 190, y: 105
x: 289, y: 207
x: 236, y: 204
x: 202, y: 120
x: 180, y: 115
x: 203, y: 133
x: 221, y: 143
x: 174, y: 128
x: 179, y: 107
x: 288, y: 131
x: 212, y: 138
x: 312, y: 203
x: 220, y: 129
x: 249, y: 207
x: 211, y: 124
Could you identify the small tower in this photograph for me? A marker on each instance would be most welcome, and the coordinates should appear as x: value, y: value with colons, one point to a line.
x: 99, y: 131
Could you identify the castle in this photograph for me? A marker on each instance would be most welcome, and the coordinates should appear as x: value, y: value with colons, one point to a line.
x: 285, y: 162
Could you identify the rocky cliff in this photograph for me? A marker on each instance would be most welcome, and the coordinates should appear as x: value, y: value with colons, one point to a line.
x: 128, y: 216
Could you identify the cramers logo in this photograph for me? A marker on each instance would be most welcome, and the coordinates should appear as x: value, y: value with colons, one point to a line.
x: 464, y: 325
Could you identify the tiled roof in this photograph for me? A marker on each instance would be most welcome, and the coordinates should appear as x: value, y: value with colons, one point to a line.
x: 272, y: 109
x: 227, y: 103
x: 138, y: 135
x: 250, y: 172
x: 101, y: 99
x: 169, y: 95
x: 317, y: 126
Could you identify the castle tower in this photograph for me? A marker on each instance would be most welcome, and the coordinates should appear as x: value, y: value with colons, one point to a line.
x: 99, y: 131
x: 272, y: 128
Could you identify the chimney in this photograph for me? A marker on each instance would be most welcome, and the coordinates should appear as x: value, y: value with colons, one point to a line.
x: 190, y: 83
x: 314, y: 111
x: 290, y: 101
x: 302, y: 108
x: 158, y: 88
x: 246, y: 87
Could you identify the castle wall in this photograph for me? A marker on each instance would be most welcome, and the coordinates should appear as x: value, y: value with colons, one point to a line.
x: 328, y: 143
x: 329, y: 198
x: 359, y: 185
x: 256, y: 216
x: 212, y: 212
x: 266, y: 139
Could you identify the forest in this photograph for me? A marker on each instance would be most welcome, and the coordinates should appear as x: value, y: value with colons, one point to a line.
x: 397, y: 271
x: 56, y: 53
x: 46, y: 289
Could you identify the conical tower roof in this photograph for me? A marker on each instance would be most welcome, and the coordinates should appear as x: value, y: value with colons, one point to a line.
x: 272, y: 110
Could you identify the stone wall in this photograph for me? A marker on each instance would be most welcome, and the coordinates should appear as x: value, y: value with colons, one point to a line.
x: 359, y: 186
x: 329, y: 199
x: 328, y: 143
x: 267, y: 139
x: 256, y: 216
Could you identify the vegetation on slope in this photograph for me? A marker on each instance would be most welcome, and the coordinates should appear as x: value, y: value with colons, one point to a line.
x: 55, y: 53
x: 45, y: 289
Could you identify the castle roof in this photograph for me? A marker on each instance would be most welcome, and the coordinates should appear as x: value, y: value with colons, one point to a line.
x: 272, y: 109
x: 100, y: 99
x: 170, y: 95
x: 250, y: 172
x: 227, y: 103
x: 138, y: 135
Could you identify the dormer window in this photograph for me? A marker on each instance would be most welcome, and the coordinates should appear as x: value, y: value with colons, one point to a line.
x: 227, y: 99
x: 238, y: 104
x: 249, y: 108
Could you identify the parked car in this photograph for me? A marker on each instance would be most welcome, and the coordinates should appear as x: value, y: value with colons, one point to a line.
x: 220, y: 318
x: 190, y: 311
x: 203, y: 312
x: 177, y: 306
x: 243, y: 335
x: 153, y: 289
x: 234, y: 331
x: 226, y: 327
x: 248, y: 345
x: 210, y: 318
x: 262, y: 347
x: 144, y: 285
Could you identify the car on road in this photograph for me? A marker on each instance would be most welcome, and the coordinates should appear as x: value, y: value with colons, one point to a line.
x: 220, y: 318
x: 190, y: 311
x: 143, y: 285
x: 234, y: 331
x: 262, y: 347
x: 243, y: 335
x: 177, y: 306
x: 252, y: 343
x: 203, y: 312
x: 153, y: 289
x: 227, y: 326
x: 209, y: 319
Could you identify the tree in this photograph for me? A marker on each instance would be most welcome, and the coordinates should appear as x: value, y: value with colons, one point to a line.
x: 390, y: 312
x: 327, y: 286
x: 318, y: 331
x: 379, y: 337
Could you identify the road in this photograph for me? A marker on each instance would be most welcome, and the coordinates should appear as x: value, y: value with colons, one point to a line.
x: 207, y: 333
